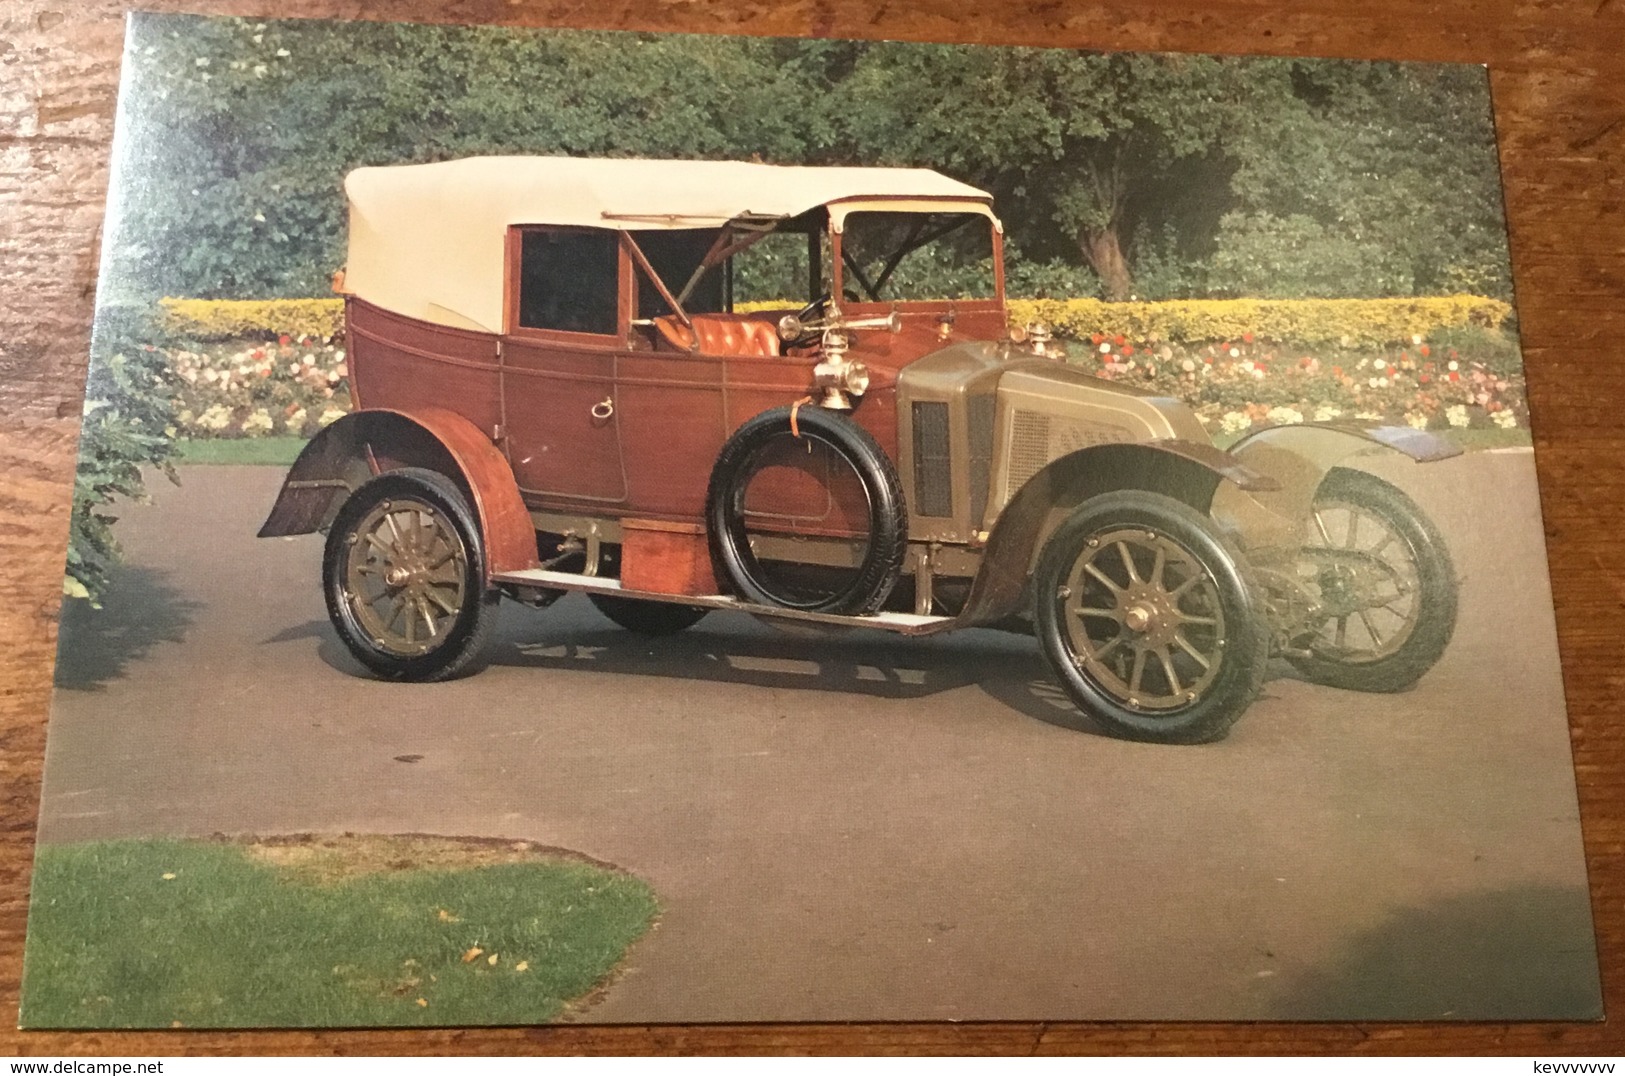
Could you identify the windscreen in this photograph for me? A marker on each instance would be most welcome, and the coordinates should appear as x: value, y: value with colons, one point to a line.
x: 917, y: 256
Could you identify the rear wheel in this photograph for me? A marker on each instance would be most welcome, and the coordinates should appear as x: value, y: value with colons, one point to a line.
x: 647, y: 617
x: 404, y: 577
x: 1386, y: 583
x: 1148, y: 619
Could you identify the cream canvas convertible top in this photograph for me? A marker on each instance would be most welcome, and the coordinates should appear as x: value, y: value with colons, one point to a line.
x: 428, y: 240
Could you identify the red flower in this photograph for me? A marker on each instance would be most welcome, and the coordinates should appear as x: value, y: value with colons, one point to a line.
x: 1128, y: 349
x: 1425, y: 352
x: 1424, y: 378
x: 1392, y: 371
x: 1337, y: 371
x: 1096, y: 338
x: 1246, y: 338
x: 257, y: 353
x: 1108, y: 358
x: 1454, y: 376
x: 1118, y: 339
x: 284, y: 340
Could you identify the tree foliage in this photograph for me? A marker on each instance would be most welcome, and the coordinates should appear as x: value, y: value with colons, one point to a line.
x: 1151, y: 175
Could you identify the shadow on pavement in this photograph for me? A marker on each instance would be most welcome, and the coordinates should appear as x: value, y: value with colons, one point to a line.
x: 871, y: 665
x: 1525, y: 953
x: 139, y: 610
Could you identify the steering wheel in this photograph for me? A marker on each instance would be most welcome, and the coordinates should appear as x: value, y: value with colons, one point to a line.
x: 813, y: 311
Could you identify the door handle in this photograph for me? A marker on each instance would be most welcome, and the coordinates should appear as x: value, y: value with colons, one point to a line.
x: 603, y: 409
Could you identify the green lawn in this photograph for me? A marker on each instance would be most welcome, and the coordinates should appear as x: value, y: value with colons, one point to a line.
x: 278, y: 451
x: 339, y: 932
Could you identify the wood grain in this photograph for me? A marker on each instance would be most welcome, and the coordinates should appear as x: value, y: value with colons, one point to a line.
x: 1558, y: 78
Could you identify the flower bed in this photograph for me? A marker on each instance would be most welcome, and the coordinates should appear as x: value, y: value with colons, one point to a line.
x: 1235, y: 385
x: 1462, y: 372
x: 288, y: 386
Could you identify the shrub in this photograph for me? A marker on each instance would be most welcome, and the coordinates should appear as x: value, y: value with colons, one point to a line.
x: 126, y: 427
x: 1317, y: 322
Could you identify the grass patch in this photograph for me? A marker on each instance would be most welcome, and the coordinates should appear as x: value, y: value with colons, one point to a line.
x: 277, y: 451
x: 320, y: 932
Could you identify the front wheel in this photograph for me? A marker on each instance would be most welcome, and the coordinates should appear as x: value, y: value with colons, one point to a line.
x: 1148, y: 619
x: 404, y: 576
x: 1387, y: 587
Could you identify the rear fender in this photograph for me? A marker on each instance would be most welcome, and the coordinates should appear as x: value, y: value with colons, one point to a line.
x: 1184, y: 470
x: 1298, y: 458
x: 366, y: 443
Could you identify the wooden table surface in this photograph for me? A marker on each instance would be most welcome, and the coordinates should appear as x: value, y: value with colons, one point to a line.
x: 1558, y: 77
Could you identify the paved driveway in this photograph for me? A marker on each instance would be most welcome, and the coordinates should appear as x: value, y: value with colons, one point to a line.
x: 865, y: 827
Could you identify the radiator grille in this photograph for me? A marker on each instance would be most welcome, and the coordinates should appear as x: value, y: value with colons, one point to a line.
x: 1029, y: 447
x: 1037, y: 438
x: 933, y: 472
x: 981, y: 454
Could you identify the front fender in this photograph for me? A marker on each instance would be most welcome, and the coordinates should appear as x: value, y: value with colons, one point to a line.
x: 1298, y: 458
x: 1187, y: 471
x: 366, y: 443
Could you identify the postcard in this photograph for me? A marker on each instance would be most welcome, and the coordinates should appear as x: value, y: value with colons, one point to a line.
x: 637, y: 528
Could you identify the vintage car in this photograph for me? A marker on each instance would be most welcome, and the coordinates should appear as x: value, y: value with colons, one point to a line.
x: 570, y: 375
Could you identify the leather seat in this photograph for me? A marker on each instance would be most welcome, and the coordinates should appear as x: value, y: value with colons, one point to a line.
x: 721, y: 334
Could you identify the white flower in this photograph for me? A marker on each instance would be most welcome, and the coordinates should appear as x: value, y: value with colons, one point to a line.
x: 1452, y: 365
x: 259, y: 218
x: 1505, y: 419
x: 297, y: 419
x: 202, y: 61
x: 1234, y: 422
x: 338, y: 356
x: 1360, y: 365
x: 1382, y: 382
x: 1188, y: 366
x: 1326, y: 413
x: 1258, y: 373
x: 258, y: 38
x: 1344, y: 341
x: 330, y: 416
x: 1105, y: 348
x: 1235, y: 352
x: 258, y: 422
x: 259, y: 70
x: 205, y: 76
x: 283, y: 53
x: 1456, y: 415
x: 1416, y: 420
x: 1368, y: 416
x: 1285, y: 416
x: 1416, y: 339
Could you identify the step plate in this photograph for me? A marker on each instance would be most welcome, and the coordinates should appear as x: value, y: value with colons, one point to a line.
x: 902, y: 623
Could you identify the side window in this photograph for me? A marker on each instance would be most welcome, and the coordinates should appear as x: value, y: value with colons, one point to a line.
x: 568, y: 280
x: 675, y: 255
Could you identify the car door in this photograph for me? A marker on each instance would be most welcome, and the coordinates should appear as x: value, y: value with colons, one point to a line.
x: 567, y: 324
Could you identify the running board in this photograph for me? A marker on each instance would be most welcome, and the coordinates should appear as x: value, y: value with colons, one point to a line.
x: 902, y: 623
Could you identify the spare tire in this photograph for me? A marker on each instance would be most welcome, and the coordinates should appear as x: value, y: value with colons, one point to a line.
x: 864, y: 587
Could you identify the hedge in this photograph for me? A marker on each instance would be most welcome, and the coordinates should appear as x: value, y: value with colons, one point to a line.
x: 1352, y: 323
x: 1341, y: 322
x: 237, y: 319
